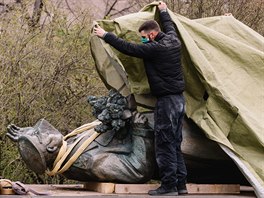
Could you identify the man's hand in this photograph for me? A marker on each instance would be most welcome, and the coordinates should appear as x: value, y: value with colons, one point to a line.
x: 162, y: 6
x: 100, y: 32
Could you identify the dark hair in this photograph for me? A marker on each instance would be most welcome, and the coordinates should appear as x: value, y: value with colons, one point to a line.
x: 149, y: 25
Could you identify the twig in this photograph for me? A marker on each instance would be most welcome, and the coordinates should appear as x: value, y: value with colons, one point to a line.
x: 68, y: 5
x: 123, y: 10
x: 111, y: 8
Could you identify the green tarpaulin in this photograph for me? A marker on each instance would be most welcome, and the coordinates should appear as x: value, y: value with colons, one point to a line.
x: 224, y: 73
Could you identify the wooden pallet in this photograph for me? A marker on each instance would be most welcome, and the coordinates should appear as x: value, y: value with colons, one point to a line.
x: 144, y: 188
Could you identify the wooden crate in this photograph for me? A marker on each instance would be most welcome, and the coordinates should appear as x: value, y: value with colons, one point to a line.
x: 144, y: 188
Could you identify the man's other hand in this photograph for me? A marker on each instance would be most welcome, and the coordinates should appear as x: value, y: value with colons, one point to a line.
x: 162, y: 6
x: 100, y: 32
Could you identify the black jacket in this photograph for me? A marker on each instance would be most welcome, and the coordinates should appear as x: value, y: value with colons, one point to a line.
x: 162, y: 58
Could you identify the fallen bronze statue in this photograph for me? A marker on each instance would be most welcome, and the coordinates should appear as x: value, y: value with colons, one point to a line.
x: 118, y: 147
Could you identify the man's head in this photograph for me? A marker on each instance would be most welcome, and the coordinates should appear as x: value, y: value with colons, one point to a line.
x: 149, y: 30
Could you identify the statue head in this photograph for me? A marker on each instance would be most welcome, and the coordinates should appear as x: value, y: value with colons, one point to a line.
x: 38, y: 145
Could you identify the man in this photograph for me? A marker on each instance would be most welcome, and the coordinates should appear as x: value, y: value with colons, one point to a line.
x: 162, y: 59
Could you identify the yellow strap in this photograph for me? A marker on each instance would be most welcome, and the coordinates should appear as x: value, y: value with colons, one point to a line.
x: 75, y: 132
x: 62, y: 159
x: 79, y: 152
x: 6, y: 187
x: 82, y: 128
x: 5, y: 182
x: 7, y: 191
x: 64, y: 152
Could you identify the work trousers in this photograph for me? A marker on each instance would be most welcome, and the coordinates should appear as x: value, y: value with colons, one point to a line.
x: 168, y: 118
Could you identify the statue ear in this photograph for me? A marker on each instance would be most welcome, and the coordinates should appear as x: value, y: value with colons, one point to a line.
x: 54, y: 142
x: 51, y: 149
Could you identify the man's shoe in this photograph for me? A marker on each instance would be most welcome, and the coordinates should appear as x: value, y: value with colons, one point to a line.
x: 182, y: 189
x: 163, y: 191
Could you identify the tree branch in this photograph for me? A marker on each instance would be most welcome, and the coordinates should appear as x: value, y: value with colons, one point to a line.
x: 7, y: 7
x: 68, y: 5
x: 38, y: 6
x: 123, y: 10
x: 111, y: 8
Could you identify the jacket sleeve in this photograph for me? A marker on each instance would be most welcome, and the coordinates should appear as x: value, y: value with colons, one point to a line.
x: 131, y: 49
x: 167, y: 23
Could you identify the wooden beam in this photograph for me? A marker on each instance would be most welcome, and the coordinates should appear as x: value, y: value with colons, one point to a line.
x: 213, y: 188
x: 192, y: 188
x: 144, y: 188
x: 134, y: 188
x: 105, y: 188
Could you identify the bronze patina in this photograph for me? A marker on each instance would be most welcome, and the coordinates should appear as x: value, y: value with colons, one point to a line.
x: 123, y: 150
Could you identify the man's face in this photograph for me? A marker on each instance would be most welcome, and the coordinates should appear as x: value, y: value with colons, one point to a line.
x: 144, y: 34
x: 147, y: 36
x: 144, y: 37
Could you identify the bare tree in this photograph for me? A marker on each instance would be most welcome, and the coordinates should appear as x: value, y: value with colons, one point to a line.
x: 33, y: 21
x: 6, y: 7
x: 38, y: 6
x: 249, y: 12
x: 47, y: 73
x: 117, y: 7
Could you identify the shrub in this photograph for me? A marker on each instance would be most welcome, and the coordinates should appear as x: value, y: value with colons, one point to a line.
x: 46, y: 72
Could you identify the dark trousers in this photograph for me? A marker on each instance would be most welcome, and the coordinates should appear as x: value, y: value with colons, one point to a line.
x: 168, y: 117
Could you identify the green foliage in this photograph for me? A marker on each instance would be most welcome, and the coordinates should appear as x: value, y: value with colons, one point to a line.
x: 46, y: 72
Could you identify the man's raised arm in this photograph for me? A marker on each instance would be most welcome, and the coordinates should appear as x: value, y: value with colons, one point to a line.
x: 166, y: 22
x: 131, y: 49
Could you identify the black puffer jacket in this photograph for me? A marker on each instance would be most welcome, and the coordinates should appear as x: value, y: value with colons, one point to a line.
x: 162, y: 58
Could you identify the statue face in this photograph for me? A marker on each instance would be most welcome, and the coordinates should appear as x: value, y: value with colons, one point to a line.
x: 38, y: 145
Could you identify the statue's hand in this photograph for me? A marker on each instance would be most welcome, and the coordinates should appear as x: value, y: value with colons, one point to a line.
x: 14, y: 132
x: 139, y: 119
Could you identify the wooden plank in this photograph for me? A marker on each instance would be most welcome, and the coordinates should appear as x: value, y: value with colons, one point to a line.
x: 213, y: 188
x: 105, y: 188
x: 134, y: 188
x: 192, y: 188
